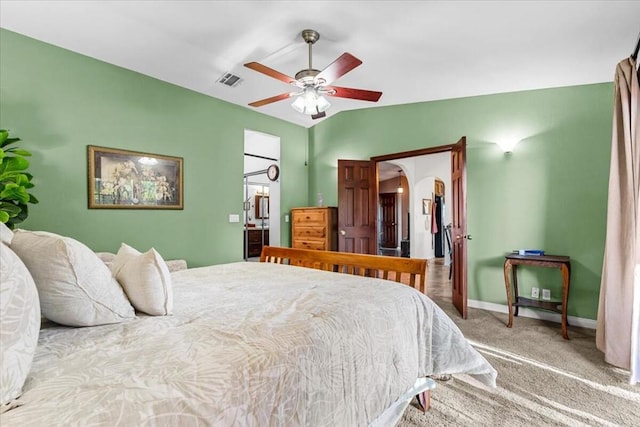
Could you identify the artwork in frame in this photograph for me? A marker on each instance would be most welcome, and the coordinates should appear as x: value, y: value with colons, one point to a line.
x: 426, y: 206
x: 123, y: 179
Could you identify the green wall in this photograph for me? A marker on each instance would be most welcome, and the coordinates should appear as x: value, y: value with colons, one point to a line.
x: 550, y: 193
x: 59, y: 102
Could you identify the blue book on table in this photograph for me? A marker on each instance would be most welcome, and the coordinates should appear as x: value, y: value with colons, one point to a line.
x: 530, y: 252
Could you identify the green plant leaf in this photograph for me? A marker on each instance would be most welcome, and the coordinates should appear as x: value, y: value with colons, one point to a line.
x: 18, y: 151
x: 14, y: 164
x: 11, y: 208
x: 14, y: 181
x: 22, y: 180
x: 24, y: 213
x: 14, y: 192
x: 10, y: 176
x: 9, y: 141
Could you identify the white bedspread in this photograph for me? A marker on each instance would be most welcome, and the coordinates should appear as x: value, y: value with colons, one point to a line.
x: 249, y: 344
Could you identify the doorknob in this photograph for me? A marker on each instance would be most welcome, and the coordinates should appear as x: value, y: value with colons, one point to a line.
x: 343, y: 233
x: 467, y: 236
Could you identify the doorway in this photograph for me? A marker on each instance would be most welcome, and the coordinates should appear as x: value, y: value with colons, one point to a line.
x: 362, y: 210
x: 393, y: 210
x: 261, y: 225
x: 424, y: 211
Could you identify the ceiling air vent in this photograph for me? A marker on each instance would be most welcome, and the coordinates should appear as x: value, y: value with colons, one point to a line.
x: 229, y: 79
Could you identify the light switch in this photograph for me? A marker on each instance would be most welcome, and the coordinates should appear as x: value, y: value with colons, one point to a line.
x: 286, y: 218
x: 234, y: 218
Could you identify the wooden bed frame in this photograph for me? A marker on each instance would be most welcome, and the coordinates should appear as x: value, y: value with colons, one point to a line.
x: 409, y: 271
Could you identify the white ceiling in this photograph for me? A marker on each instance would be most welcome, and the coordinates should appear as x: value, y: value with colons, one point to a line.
x: 412, y: 51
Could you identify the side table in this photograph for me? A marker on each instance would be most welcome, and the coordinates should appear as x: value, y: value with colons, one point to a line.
x: 514, y: 300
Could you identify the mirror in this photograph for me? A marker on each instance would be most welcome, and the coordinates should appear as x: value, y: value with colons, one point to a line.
x: 262, y: 206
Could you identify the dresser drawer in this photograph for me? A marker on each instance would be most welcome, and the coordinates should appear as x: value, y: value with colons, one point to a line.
x: 309, y: 216
x: 255, y: 237
x: 310, y: 231
x: 317, y: 245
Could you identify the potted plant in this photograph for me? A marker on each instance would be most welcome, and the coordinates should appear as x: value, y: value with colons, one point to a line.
x: 14, y: 181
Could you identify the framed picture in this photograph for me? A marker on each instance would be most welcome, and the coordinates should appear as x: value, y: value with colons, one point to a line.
x: 426, y: 206
x: 122, y: 179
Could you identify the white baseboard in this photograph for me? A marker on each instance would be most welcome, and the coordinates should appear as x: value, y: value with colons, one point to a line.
x: 534, y: 314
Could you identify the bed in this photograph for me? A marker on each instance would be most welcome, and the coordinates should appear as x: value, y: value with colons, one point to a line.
x: 274, y: 343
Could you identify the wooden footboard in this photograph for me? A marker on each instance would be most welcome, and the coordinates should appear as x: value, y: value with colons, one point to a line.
x: 409, y: 271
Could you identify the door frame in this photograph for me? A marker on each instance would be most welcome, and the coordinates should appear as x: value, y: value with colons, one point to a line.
x: 421, y: 152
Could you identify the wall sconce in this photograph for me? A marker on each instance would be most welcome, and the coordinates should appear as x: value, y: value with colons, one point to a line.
x: 400, y: 189
x: 507, y: 145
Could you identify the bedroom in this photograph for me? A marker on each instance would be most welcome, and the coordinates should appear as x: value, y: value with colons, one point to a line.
x: 550, y: 193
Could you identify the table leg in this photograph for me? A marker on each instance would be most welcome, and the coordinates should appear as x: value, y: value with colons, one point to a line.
x: 507, y: 284
x: 515, y: 288
x: 565, y: 298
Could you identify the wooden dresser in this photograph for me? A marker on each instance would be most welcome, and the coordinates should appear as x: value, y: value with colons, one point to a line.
x: 314, y: 228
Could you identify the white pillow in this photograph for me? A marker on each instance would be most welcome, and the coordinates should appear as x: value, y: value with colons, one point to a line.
x: 19, y: 324
x: 5, y: 234
x: 75, y: 287
x: 145, y: 278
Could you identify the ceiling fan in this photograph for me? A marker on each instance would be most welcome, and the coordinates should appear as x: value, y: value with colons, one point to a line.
x: 314, y: 84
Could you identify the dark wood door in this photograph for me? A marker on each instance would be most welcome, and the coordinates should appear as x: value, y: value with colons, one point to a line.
x: 459, y: 226
x: 357, y: 188
x: 389, y: 220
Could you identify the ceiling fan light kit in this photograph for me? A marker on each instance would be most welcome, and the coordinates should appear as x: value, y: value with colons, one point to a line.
x: 310, y: 102
x: 313, y: 84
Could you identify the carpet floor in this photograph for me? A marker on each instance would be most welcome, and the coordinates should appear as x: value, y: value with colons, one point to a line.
x: 543, y: 380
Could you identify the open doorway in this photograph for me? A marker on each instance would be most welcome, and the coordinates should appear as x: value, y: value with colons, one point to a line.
x: 393, y: 210
x: 260, y: 194
x: 358, y: 203
x: 425, y: 193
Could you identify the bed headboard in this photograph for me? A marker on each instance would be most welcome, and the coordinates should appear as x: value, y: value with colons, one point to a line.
x: 409, y: 271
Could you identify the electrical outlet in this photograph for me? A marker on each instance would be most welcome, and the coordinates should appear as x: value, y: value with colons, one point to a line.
x: 535, y: 292
x: 546, y: 294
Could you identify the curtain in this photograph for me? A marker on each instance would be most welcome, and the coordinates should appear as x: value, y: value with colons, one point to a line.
x: 618, y: 327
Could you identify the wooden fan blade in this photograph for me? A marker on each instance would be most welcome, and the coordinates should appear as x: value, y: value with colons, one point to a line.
x: 272, y: 73
x: 347, y: 92
x: 272, y: 99
x: 338, y: 68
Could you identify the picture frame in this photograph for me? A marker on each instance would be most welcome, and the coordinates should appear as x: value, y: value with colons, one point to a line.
x: 426, y: 206
x: 124, y: 179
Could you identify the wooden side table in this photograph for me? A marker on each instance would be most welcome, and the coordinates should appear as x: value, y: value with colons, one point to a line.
x: 514, y: 300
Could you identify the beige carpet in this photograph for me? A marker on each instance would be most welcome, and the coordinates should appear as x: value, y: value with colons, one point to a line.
x: 542, y: 379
